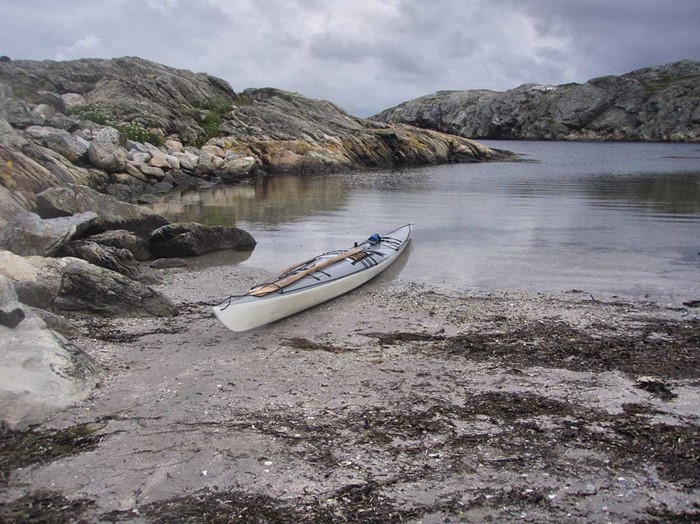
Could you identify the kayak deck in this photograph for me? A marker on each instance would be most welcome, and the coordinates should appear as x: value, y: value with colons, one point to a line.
x: 312, y: 282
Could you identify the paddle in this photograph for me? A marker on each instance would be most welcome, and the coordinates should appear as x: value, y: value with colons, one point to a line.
x: 266, y: 289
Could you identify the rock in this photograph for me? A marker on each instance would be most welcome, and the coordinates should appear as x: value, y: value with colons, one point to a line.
x: 133, y: 171
x: 107, y: 156
x: 173, y: 161
x: 11, y: 318
x: 187, y: 161
x: 64, y: 122
x: 32, y: 168
x: 114, y: 258
x: 138, y: 157
x: 71, y: 285
x: 14, y: 111
x: 131, y: 145
x: 44, y: 111
x: 12, y: 203
x: 112, y: 214
x: 162, y: 187
x: 59, y: 324
x: 35, y: 280
x: 53, y: 99
x: 91, y: 289
x: 236, y: 168
x: 159, y: 160
x: 39, y: 132
x: 213, y: 150
x: 181, y: 179
x: 107, y: 135
x: 73, y: 100
x: 652, y: 104
x: 168, y: 263
x: 208, y: 163
x: 41, y: 373
x: 173, y: 146
x: 284, y: 162
x: 152, y: 172
x: 191, y: 239
x: 124, y: 239
x: 29, y: 234
x: 72, y: 147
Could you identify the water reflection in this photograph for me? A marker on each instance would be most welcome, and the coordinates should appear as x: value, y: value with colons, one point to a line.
x: 270, y: 202
x: 676, y: 194
x: 621, y: 218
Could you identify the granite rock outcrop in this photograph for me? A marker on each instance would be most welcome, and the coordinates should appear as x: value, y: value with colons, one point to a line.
x: 659, y: 104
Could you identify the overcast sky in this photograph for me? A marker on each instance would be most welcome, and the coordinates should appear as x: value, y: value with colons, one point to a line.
x: 364, y: 55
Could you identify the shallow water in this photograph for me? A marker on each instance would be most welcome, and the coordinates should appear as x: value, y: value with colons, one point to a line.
x: 604, y: 218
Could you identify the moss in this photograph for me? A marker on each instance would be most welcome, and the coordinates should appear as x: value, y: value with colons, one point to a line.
x: 6, y: 171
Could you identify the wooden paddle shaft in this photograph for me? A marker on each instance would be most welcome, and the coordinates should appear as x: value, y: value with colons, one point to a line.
x: 266, y: 289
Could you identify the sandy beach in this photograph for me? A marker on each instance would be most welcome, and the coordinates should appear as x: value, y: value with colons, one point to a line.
x: 394, y: 403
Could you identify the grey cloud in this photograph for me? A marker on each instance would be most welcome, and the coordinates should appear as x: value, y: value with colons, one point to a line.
x: 367, y: 55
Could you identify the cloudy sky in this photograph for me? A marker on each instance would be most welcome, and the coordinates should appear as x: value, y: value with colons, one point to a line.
x: 365, y: 55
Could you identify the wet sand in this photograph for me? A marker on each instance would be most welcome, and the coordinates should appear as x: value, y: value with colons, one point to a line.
x: 394, y: 403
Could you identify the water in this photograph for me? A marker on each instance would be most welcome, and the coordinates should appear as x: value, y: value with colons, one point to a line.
x: 604, y: 218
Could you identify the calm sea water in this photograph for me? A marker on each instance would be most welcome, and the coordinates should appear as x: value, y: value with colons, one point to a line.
x: 603, y: 218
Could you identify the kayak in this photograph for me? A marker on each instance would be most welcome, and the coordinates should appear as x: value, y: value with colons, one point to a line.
x: 312, y: 282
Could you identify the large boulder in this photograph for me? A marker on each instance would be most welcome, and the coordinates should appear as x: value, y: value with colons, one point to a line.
x: 15, y: 111
x: 11, y: 204
x: 112, y: 213
x: 74, y: 148
x: 107, y: 156
x: 90, y: 289
x: 123, y: 239
x: 29, y: 234
x: 236, y: 168
x: 40, y: 371
x: 31, y: 168
x: 192, y: 239
x: 73, y: 285
x: 114, y: 258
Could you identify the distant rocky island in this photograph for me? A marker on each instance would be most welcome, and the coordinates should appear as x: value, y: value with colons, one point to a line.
x: 655, y: 104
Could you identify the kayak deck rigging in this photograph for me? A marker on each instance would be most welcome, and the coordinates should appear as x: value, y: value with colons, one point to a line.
x: 314, y: 281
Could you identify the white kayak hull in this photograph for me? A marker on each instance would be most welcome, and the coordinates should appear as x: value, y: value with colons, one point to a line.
x: 249, y: 311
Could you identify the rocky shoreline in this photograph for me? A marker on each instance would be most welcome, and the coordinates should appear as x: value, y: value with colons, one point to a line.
x: 82, y: 142
x: 393, y: 403
x: 131, y: 128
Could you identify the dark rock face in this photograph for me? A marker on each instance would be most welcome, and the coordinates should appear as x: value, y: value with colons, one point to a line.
x: 90, y: 289
x: 28, y: 234
x: 68, y: 284
x: 191, y: 239
x: 112, y: 213
x: 653, y: 104
x: 123, y: 239
x: 168, y: 263
x: 114, y: 258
